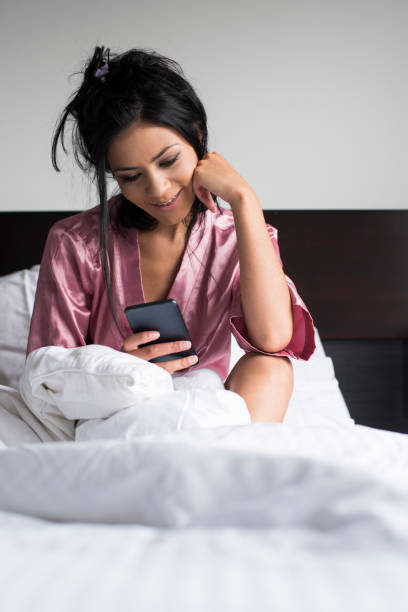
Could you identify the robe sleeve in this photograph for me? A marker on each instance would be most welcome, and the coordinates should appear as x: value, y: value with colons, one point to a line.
x: 302, y: 343
x: 63, y: 297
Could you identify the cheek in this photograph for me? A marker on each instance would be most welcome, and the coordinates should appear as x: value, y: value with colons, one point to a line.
x: 187, y: 178
x: 131, y: 192
x: 188, y: 171
x: 128, y: 188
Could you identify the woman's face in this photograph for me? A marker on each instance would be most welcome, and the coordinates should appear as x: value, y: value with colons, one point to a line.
x: 154, y: 165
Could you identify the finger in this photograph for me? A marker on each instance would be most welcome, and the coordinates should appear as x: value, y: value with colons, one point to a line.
x: 178, y: 364
x: 165, y: 348
x: 160, y: 349
x: 133, y: 342
x: 208, y: 201
x: 204, y: 195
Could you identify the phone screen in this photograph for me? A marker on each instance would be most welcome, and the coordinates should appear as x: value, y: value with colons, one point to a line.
x: 164, y: 316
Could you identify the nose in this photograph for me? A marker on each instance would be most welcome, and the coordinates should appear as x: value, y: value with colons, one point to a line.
x: 157, y: 187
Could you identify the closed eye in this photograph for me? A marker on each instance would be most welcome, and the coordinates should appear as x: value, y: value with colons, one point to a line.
x: 164, y: 164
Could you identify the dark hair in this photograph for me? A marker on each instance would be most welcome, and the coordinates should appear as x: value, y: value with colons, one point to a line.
x: 140, y: 86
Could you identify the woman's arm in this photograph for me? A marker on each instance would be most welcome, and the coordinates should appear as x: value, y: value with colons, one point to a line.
x: 63, y: 297
x: 266, y: 301
x: 265, y: 296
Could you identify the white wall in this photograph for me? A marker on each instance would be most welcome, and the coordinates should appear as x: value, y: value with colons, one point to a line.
x: 307, y: 99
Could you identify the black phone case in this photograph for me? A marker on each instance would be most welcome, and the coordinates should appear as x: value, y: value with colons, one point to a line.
x: 164, y: 316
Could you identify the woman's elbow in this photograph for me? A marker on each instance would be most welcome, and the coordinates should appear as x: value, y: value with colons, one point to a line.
x: 278, y: 342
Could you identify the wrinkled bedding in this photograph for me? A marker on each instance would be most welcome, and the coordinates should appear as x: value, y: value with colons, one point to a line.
x: 255, y: 475
x: 67, y: 394
x: 60, y: 389
x: 117, y: 476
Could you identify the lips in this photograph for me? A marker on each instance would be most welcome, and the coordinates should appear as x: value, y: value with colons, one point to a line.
x: 169, y: 204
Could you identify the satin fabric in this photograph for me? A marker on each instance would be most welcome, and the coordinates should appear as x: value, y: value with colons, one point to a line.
x: 71, y: 306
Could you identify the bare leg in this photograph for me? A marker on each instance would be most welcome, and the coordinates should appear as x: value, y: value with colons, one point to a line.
x: 266, y: 384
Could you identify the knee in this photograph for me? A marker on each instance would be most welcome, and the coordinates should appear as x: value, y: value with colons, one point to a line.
x: 274, y: 367
x: 269, y: 368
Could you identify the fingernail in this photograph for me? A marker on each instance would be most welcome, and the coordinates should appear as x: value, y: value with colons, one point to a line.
x: 193, y: 359
x: 155, y: 335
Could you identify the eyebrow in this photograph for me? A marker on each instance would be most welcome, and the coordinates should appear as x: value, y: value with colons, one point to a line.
x: 154, y: 159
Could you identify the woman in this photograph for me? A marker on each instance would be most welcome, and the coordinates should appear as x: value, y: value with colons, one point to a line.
x: 164, y: 235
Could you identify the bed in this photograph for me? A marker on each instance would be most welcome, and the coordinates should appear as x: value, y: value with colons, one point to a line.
x: 311, y: 514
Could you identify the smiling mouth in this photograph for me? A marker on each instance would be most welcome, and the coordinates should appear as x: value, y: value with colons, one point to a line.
x: 169, y: 202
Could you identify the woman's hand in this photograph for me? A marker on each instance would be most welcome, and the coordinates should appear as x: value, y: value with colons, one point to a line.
x: 213, y: 174
x: 132, y: 343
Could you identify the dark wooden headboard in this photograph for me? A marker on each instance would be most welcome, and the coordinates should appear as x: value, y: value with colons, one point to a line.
x: 351, y: 267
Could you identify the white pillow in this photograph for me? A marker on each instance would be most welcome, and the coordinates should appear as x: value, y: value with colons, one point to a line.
x: 17, y: 293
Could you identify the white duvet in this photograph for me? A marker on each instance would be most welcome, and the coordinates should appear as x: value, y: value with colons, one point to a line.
x: 97, y: 436
x: 136, y: 445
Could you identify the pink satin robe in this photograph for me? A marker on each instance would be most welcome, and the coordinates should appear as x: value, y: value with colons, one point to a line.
x: 71, y: 306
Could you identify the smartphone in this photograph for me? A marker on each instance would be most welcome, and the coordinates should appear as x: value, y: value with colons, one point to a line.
x: 164, y: 316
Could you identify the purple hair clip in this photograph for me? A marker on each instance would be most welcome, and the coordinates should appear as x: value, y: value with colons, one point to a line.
x: 102, y: 72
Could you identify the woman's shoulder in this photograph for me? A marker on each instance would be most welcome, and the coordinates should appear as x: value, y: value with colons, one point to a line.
x: 222, y: 233
x: 224, y: 222
x: 82, y: 226
x: 223, y: 227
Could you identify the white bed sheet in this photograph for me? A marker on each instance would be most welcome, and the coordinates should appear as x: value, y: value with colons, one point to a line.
x: 311, y: 514
x: 258, y: 517
x: 49, y: 567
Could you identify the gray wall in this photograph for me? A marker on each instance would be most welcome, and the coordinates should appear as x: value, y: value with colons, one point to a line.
x: 306, y: 99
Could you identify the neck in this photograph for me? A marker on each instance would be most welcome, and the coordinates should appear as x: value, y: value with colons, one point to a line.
x: 173, y: 233
x: 170, y: 233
